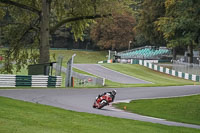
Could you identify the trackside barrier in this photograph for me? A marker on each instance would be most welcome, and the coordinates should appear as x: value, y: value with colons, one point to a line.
x: 7, y: 80
x: 170, y: 71
x: 83, y: 79
x: 107, y: 61
x: 30, y: 80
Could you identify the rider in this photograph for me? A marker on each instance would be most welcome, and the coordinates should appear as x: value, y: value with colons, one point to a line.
x: 111, y: 93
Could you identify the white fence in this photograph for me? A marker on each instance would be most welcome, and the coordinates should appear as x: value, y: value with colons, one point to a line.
x: 170, y: 71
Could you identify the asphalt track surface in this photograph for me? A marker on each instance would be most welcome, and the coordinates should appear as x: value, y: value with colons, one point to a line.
x: 109, y: 74
x: 81, y: 100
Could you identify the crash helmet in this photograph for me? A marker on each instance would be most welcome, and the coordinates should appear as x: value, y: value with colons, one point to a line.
x: 114, y: 92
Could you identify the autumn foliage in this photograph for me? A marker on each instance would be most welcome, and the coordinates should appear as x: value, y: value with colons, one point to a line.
x: 114, y: 33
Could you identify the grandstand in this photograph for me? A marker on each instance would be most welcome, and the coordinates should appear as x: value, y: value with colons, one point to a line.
x: 147, y: 53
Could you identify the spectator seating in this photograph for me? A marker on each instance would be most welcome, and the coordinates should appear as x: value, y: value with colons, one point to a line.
x: 147, y: 52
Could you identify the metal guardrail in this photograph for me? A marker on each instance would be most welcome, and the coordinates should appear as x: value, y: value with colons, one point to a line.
x: 86, y: 80
x: 190, y: 68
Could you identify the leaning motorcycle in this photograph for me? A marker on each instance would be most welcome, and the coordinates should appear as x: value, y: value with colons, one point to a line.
x: 102, y: 101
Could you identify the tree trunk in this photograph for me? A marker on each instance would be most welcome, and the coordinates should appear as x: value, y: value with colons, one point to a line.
x: 190, y: 55
x: 174, y: 53
x: 44, y: 33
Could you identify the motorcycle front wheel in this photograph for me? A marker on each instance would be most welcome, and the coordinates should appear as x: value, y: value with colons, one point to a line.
x: 102, y: 104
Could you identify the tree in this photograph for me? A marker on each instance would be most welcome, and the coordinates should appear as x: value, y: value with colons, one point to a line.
x: 149, y: 12
x: 181, y: 24
x: 115, y: 33
x: 36, y: 19
x: 139, y: 37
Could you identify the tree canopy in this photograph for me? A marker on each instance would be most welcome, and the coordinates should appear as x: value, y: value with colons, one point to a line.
x: 181, y: 24
x: 27, y: 25
x: 34, y: 20
x: 149, y: 12
x: 170, y: 23
x: 115, y: 33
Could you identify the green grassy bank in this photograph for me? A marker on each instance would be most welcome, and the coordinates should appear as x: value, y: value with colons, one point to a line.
x: 23, y: 117
x: 86, y: 57
x: 141, y: 72
x: 180, y: 109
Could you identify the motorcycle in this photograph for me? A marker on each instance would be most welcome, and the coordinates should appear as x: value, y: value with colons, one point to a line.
x: 102, y: 101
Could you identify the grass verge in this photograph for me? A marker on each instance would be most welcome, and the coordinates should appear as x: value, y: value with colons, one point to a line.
x: 87, y: 57
x: 141, y: 72
x: 23, y: 117
x: 180, y: 109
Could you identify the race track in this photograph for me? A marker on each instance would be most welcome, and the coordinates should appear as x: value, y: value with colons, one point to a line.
x: 81, y: 100
x: 109, y: 74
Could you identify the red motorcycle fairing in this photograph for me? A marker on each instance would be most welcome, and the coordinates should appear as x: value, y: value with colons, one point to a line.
x: 102, y: 101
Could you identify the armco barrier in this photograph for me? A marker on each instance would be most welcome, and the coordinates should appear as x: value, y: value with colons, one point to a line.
x: 31, y: 81
x: 170, y: 71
